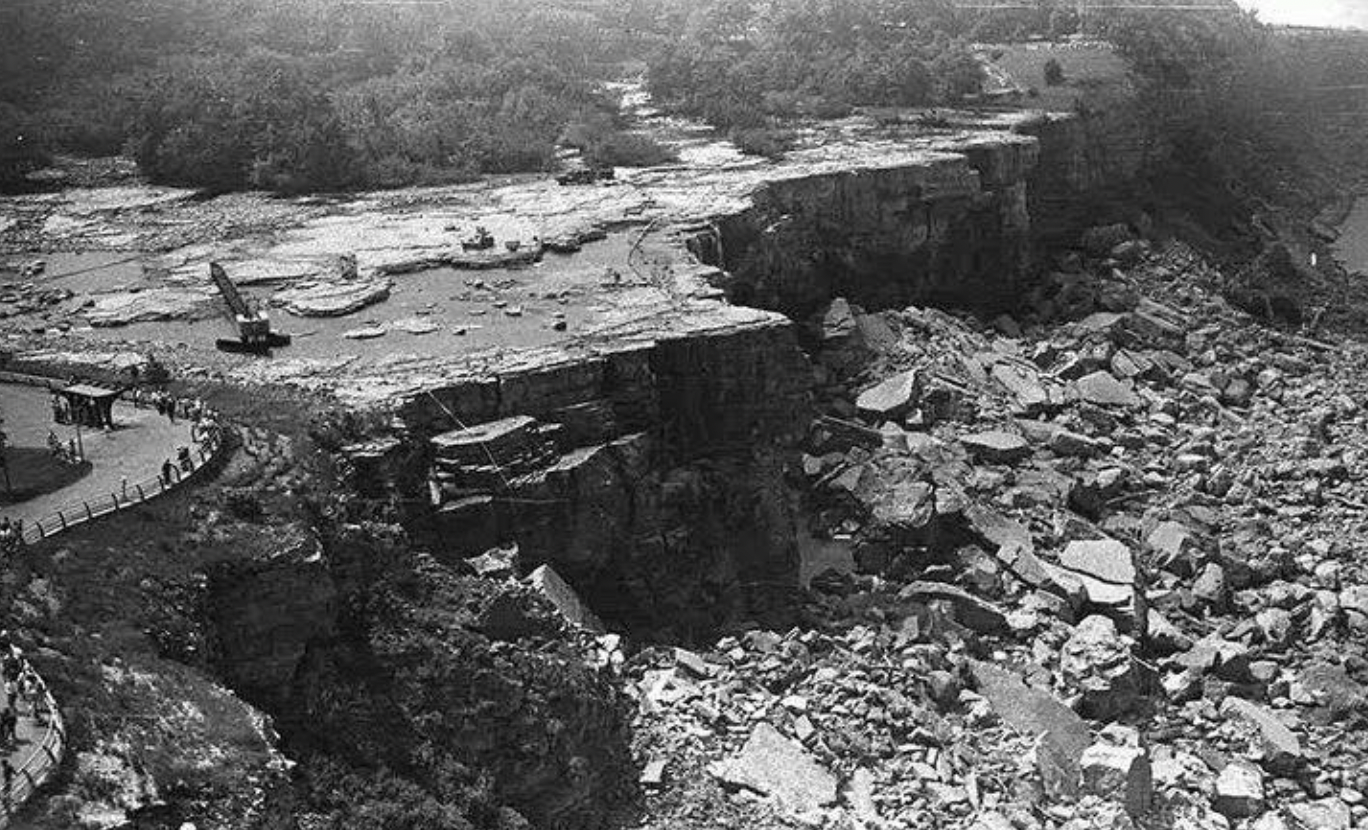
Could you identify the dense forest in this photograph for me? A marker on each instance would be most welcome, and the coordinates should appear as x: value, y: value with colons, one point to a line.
x: 312, y: 94
x: 300, y: 95
x: 317, y: 95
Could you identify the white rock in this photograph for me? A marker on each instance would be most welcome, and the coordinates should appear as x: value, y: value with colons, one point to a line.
x: 1239, y: 791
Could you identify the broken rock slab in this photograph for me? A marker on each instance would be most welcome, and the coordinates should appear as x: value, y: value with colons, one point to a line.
x: 1239, y: 791
x: 1175, y: 547
x: 970, y: 611
x: 366, y: 332
x: 332, y: 299
x: 890, y: 399
x: 1119, y: 773
x: 1326, y: 814
x: 415, y: 325
x: 1033, y: 711
x: 1024, y: 385
x: 1282, y: 751
x: 997, y: 447
x: 781, y: 769
x: 1105, y: 571
x: 561, y: 595
x: 1102, y: 389
x: 147, y: 306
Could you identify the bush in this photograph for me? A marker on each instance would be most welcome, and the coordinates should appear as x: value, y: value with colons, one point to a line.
x: 1054, y: 73
x: 628, y: 150
x: 600, y: 138
x: 739, y: 63
x: 763, y: 141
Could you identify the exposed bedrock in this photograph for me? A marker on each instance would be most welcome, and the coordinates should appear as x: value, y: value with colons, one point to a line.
x: 951, y: 229
x: 651, y: 477
x: 954, y: 227
x: 649, y: 468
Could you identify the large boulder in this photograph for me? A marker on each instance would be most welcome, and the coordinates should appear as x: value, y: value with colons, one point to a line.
x: 889, y: 399
x: 1120, y: 772
x: 779, y: 768
x: 1096, y: 663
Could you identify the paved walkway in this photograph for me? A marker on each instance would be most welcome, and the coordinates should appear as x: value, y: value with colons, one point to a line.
x: 135, y: 449
x: 31, y: 761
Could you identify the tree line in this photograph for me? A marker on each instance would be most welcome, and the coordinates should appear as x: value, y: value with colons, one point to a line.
x: 306, y: 95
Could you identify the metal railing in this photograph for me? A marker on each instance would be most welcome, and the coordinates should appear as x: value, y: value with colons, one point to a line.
x: 41, y: 763
x: 127, y: 496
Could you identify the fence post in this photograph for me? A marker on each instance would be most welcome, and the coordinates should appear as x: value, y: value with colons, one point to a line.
x: 62, y: 516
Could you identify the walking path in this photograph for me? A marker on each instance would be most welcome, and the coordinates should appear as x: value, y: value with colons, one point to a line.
x: 35, y: 755
x: 134, y: 451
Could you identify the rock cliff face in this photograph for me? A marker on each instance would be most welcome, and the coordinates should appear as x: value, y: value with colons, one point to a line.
x: 647, y: 464
x: 651, y: 477
x: 1085, y: 167
x: 946, y: 227
x: 952, y: 225
x: 265, y: 614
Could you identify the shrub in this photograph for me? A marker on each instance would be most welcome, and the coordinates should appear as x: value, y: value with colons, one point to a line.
x: 628, y: 150
x: 20, y: 150
x: 762, y: 141
x: 1054, y: 73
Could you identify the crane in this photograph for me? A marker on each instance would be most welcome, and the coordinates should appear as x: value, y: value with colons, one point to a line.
x: 254, y: 327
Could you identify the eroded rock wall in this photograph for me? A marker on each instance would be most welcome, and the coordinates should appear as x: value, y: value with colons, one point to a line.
x: 651, y: 477
x: 947, y: 228
x: 1087, y: 167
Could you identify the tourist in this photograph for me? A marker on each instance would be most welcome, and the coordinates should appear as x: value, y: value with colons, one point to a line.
x: 7, y: 770
x: 166, y: 472
x: 9, y: 727
x: 31, y: 686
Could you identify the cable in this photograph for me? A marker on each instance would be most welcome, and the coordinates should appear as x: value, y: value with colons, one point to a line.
x: 483, y: 445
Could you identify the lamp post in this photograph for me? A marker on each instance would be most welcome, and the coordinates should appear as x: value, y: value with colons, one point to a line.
x: 80, y: 445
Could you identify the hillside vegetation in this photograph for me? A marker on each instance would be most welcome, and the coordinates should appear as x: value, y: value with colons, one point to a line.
x: 309, y: 94
x: 316, y: 95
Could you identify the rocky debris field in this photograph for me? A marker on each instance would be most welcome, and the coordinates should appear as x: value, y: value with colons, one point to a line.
x: 1108, y: 573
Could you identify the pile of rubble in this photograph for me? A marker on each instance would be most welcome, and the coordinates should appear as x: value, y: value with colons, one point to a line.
x: 1107, y: 574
